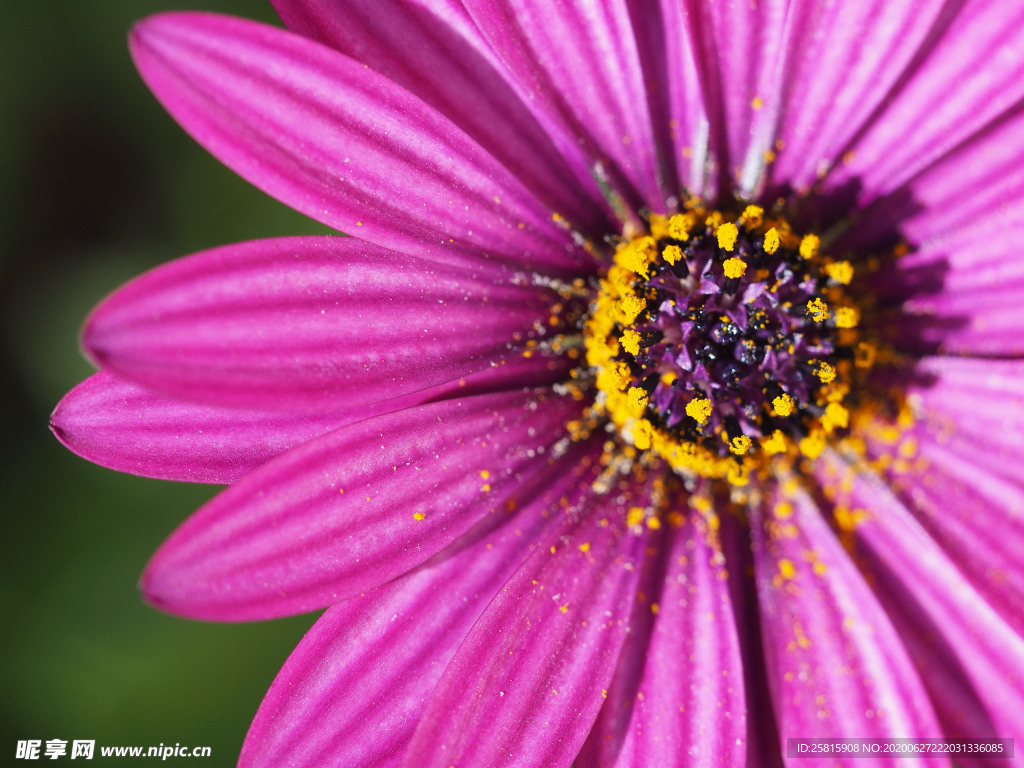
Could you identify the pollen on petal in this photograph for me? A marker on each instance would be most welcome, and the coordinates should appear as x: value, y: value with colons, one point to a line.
x: 699, y: 409
x: 774, y: 443
x: 727, y: 234
x: 835, y: 416
x: 812, y: 445
x: 786, y: 569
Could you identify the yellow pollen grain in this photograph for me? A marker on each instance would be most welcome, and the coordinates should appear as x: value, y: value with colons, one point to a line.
x: 630, y: 341
x: 783, y: 405
x: 727, y: 234
x: 484, y: 474
x: 699, y: 409
x: 672, y: 254
x: 864, y: 355
x: 825, y: 372
x: 631, y: 307
x: 809, y: 246
x: 812, y: 445
x: 817, y: 310
x: 655, y: 608
x: 774, y: 443
x: 771, y: 241
x: 734, y: 267
x: 752, y: 216
x: 786, y: 569
x: 740, y: 445
x: 637, y: 255
x: 635, y: 516
x: 653, y: 523
x: 840, y: 271
x: 835, y: 416
x: 847, y: 317
x: 418, y: 516
x: 757, y: 102
x: 643, y: 434
x: 680, y: 224
x: 585, y: 546
x: 636, y: 399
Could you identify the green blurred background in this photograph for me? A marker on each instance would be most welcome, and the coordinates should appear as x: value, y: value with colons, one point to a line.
x: 98, y: 185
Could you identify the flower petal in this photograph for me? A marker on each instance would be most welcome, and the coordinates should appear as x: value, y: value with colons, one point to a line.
x: 432, y: 49
x: 836, y: 665
x: 525, y: 686
x: 310, y: 324
x: 968, y: 74
x: 965, y: 495
x: 971, y: 662
x: 678, y: 695
x: 737, y: 48
x: 840, y: 62
x: 669, y: 31
x: 581, y: 65
x: 354, y: 508
x: 353, y: 690
x: 122, y: 426
x: 343, y: 144
x: 973, y: 195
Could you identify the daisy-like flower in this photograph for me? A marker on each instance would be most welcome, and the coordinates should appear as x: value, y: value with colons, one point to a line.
x: 664, y: 404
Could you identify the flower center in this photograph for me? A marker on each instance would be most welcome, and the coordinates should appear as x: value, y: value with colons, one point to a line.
x: 718, y: 341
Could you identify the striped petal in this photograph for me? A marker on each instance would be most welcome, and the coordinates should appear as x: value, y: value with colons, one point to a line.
x: 526, y: 685
x: 353, y: 508
x: 343, y: 144
x: 352, y: 692
x: 310, y: 324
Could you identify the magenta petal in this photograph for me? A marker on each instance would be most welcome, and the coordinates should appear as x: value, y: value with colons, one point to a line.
x: 310, y: 324
x: 836, y: 665
x: 353, y: 508
x: 343, y: 144
x: 678, y: 696
x: 581, y: 65
x: 968, y: 74
x: 970, y: 660
x: 526, y: 685
x: 973, y: 305
x: 352, y: 692
x: 737, y: 48
x: 433, y: 49
x: 688, y: 117
x: 120, y: 425
x: 841, y: 63
x: 973, y: 192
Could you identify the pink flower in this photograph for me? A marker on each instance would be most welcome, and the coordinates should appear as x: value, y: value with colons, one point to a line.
x: 664, y: 405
